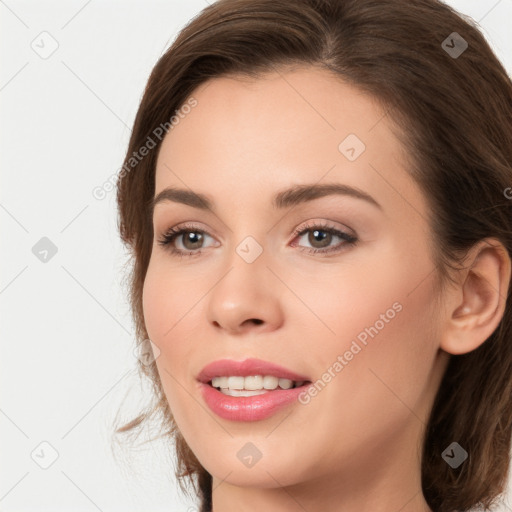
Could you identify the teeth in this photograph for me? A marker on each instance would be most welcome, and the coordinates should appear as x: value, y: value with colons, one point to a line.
x: 253, y: 383
x: 270, y: 382
x: 285, y: 383
x: 242, y: 392
x: 222, y: 382
x: 236, y: 382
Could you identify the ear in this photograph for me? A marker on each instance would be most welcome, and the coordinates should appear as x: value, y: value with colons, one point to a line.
x: 475, y: 307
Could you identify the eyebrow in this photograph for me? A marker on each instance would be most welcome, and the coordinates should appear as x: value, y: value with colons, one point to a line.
x: 290, y: 197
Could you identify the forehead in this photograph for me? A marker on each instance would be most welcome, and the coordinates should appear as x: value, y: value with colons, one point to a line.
x: 258, y: 135
x: 300, y: 104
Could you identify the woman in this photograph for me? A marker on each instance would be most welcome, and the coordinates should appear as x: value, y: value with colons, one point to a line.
x: 315, y: 196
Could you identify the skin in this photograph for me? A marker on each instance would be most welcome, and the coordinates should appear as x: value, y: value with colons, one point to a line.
x: 357, y: 444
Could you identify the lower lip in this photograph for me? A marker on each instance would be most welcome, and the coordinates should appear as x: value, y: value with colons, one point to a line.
x: 249, y: 408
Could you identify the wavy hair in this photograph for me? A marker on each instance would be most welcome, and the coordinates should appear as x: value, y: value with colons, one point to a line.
x: 454, y: 119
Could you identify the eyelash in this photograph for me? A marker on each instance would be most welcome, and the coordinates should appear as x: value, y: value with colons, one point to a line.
x: 170, y: 236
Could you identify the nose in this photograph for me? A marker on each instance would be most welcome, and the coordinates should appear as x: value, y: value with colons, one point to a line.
x: 246, y: 298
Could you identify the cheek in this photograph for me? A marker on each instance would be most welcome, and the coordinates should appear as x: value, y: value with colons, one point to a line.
x: 382, y: 323
x: 169, y: 312
x: 165, y: 300
x: 162, y: 312
x: 386, y: 333
x: 376, y: 316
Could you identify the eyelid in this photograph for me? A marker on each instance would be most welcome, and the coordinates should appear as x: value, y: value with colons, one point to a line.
x: 323, y: 223
x: 345, y: 234
x: 187, y: 226
x: 183, y: 227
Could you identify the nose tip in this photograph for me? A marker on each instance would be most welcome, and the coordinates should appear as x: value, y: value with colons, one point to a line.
x: 244, y: 301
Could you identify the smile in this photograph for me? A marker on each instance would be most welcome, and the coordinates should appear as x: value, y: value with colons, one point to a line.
x: 252, y: 385
x: 249, y: 390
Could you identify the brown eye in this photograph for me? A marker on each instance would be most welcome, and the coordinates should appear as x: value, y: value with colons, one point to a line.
x: 321, y: 237
x: 192, y: 239
x: 185, y: 241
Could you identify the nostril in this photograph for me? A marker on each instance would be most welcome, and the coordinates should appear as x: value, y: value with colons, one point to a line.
x: 257, y: 321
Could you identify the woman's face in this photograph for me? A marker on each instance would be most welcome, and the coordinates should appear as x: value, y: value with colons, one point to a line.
x: 356, y: 320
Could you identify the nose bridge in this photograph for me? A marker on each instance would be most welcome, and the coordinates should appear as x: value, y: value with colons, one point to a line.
x: 250, y: 249
x: 248, y: 240
x: 248, y: 274
x: 244, y: 291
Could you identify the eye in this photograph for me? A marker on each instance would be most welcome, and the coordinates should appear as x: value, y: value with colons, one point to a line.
x: 320, y: 236
x: 189, y: 237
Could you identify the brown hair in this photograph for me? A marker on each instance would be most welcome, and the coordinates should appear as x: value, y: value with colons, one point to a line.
x: 454, y: 114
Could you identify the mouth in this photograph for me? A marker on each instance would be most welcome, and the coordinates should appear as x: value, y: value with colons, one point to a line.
x: 249, y: 390
x: 253, y: 385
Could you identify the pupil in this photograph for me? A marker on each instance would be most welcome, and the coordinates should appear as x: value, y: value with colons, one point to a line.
x: 317, y: 236
x: 190, y: 238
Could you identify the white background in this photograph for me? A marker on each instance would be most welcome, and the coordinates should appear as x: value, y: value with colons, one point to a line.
x: 67, y: 345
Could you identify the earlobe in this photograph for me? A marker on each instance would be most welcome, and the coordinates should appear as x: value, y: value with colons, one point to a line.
x: 478, y: 304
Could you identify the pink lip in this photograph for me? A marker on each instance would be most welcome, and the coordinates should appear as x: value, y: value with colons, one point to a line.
x: 228, y: 367
x: 251, y: 408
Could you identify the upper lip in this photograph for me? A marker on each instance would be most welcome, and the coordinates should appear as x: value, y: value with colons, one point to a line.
x: 230, y: 367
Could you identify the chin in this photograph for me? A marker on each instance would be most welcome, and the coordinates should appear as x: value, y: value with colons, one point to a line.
x: 269, y: 471
x: 267, y: 477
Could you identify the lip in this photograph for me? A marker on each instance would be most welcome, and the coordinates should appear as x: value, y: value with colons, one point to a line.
x: 250, y: 408
x: 230, y: 367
